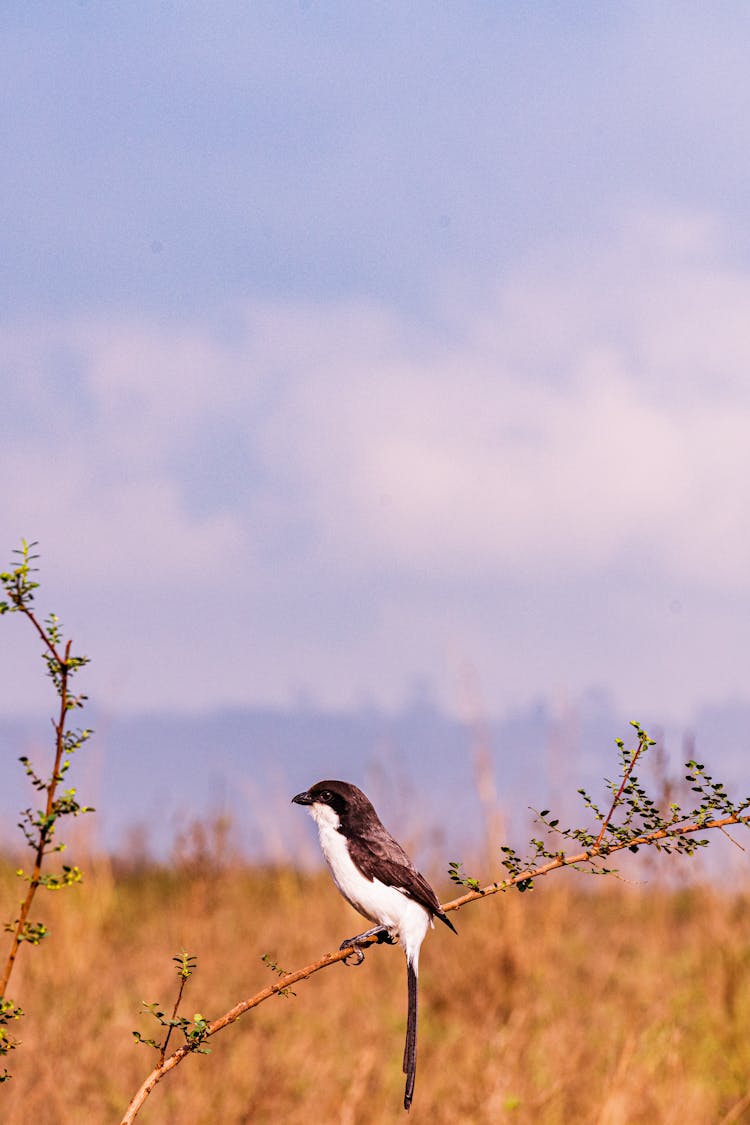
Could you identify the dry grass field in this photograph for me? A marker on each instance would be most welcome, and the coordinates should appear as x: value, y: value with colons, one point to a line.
x: 584, y: 1001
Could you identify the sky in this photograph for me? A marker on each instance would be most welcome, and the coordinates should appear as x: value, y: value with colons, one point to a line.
x: 349, y: 351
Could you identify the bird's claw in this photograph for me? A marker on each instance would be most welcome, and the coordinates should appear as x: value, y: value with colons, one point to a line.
x: 354, y: 951
x: 380, y: 933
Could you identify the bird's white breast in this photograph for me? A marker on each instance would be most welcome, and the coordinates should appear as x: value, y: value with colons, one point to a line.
x: 404, y: 917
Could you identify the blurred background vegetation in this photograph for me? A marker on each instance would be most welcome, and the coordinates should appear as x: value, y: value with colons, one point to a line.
x: 586, y: 1000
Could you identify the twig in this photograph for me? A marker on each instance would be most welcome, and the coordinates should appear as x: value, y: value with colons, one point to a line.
x: 737, y: 1110
x: 230, y: 1017
x: 626, y: 774
x: 183, y: 981
x: 732, y: 840
x: 41, y: 848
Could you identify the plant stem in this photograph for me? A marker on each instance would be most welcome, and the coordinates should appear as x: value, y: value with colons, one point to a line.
x: 625, y: 778
x: 51, y: 788
x: 183, y: 980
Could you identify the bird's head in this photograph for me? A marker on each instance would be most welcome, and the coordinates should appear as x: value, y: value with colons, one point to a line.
x: 335, y: 802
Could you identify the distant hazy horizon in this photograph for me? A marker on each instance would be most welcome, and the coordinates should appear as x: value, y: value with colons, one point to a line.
x: 151, y: 777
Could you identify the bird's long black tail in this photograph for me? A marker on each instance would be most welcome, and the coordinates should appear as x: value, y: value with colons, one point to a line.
x: 410, y: 1049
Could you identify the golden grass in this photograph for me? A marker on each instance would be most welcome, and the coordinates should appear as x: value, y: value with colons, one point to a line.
x: 583, y: 1001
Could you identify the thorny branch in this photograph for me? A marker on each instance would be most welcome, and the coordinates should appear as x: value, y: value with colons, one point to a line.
x: 39, y: 825
x: 626, y: 775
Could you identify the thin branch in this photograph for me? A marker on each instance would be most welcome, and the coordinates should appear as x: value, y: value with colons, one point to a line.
x: 183, y: 981
x: 732, y: 840
x: 230, y: 1017
x: 626, y: 775
x: 289, y: 979
x: 736, y: 1111
x: 44, y: 833
x: 43, y: 634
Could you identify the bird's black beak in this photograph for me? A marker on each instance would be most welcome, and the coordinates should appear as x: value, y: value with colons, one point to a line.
x: 302, y: 799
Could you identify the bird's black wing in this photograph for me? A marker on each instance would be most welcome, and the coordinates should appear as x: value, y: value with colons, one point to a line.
x: 379, y: 856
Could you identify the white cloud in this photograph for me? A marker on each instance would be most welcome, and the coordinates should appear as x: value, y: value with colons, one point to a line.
x: 590, y: 425
x: 463, y: 462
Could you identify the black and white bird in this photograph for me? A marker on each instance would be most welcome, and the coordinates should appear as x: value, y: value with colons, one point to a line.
x: 375, y: 875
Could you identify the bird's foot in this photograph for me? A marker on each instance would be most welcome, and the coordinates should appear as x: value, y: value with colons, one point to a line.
x: 380, y: 933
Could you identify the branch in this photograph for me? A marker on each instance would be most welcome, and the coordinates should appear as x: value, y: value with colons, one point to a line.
x: 289, y: 979
x: 55, y: 778
x: 39, y: 825
x: 626, y: 775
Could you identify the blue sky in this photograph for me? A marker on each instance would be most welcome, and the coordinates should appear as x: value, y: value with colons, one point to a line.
x: 348, y: 347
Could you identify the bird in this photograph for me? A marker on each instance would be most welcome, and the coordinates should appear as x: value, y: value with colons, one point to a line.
x: 375, y: 875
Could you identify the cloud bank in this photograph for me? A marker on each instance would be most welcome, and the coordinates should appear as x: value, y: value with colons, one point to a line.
x: 338, y: 499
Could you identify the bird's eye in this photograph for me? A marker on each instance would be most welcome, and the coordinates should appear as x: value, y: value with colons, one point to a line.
x: 325, y: 794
